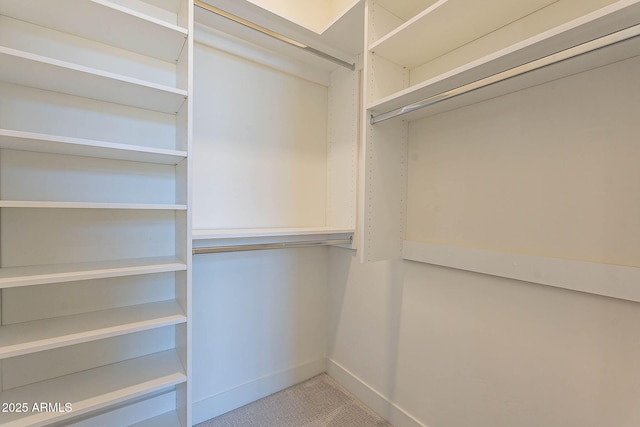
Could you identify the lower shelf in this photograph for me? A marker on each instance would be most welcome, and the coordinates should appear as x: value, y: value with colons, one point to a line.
x: 250, y: 239
x: 29, y: 204
x: 39, y: 335
x: 92, y: 390
x: 238, y: 233
x: 168, y: 419
x: 40, y: 274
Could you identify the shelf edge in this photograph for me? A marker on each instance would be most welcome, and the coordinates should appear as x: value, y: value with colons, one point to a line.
x: 97, y: 273
x: 84, y: 143
x: 266, y: 232
x: 167, y: 319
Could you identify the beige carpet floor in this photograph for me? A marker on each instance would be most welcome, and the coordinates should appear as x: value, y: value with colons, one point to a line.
x: 318, y: 402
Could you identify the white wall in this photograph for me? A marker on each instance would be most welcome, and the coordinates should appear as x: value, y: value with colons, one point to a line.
x: 549, y: 171
x: 260, y: 145
x: 259, y: 325
x: 454, y: 348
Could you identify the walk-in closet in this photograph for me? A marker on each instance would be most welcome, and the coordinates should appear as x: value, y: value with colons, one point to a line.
x: 429, y: 208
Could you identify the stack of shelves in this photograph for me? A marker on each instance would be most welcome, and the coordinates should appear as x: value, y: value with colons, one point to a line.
x: 94, y: 219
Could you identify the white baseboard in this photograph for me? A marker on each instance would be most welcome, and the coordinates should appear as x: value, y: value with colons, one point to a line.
x: 257, y: 389
x: 371, y: 397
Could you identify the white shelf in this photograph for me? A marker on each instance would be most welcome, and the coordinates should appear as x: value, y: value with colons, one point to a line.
x: 405, y: 9
x: 40, y: 335
x: 168, y: 419
x: 598, y: 24
x: 267, y: 232
x: 447, y: 25
x: 342, y: 38
x: 88, y: 205
x: 43, y: 143
x: 95, y: 389
x: 27, y: 69
x: 41, y: 274
x: 135, y: 31
x: 346, y: 32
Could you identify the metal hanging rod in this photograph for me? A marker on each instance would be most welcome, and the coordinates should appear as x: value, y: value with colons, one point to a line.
x: 546, y: 61
x: 273, y: 34
x: 263, y: 246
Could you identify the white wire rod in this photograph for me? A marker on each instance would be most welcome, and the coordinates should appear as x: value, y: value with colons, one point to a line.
x: 263, y: 246
x: 273, y: 34
x: 538, y: 64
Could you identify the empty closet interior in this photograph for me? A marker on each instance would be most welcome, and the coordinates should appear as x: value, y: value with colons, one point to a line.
x: 276, y: 164
x: 435, y: 202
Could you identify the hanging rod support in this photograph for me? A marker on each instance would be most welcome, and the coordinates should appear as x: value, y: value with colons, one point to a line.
x: 537, y: 64
x: 263, y: 246
x: 273, y: 34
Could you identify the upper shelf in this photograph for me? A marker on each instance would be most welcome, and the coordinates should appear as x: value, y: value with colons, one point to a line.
x: 55, y: 144
x: 342, y: 39
x: 617, y: 20
x: 406, y: 9
x: 447, y: 25
x: 27, y: 69
x: 136, y: 31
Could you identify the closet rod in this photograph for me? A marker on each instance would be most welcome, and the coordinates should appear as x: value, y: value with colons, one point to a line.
x: 263, y: 246
x: 537, y: 64
x: 273, y: 34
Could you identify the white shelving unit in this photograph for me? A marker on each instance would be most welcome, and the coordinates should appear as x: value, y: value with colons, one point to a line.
x: 275, y: 150
x: 285, y: 177
x: 617, y: 17
x: 95, y: 208
x: 405, y: 71
x: 530, y: 44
